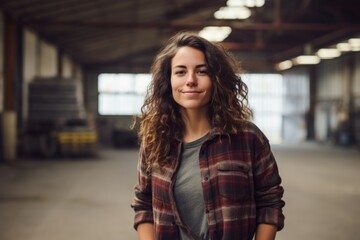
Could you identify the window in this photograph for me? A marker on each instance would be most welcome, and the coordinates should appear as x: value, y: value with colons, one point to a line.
x: 122, y: 94
x: 271, y: 98
x: 266, y: 101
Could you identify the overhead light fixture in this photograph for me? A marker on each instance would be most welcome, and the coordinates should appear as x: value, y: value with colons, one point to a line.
x: 343, y: 47
x: 245, y: 3
x: 355, y: 49
x: 354, y: 42
x: 232, y: 13
x: 284, y: 65
x: 306, y: 60
x: 215, y: 34
x: 328, y: 53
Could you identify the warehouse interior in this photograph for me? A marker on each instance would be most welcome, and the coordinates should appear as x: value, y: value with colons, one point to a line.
x: 73, y: 74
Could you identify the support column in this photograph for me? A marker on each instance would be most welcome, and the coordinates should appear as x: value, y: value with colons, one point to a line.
x: 310, y: 118
x: 8, y: 122
x: 60, y: 70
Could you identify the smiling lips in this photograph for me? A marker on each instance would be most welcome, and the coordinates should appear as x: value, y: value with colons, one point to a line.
x: 191, y: 93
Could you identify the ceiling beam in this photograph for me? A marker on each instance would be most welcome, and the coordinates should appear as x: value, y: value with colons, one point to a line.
x: 250, y: 46
x: 236, y: 25
x: 192, y: 8
x: 315, y: 43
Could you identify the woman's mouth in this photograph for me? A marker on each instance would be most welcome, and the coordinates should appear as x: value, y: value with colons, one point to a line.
x: 192, y: 91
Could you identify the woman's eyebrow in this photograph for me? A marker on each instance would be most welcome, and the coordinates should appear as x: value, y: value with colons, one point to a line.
x: 180, y: 66
x: 197, y: 66
x: 201, y: 65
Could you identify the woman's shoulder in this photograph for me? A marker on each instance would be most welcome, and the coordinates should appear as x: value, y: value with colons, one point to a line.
x: 248, y: 126
x: 250, y: 130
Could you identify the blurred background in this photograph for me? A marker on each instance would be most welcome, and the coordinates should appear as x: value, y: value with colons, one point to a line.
x: 73, y: 74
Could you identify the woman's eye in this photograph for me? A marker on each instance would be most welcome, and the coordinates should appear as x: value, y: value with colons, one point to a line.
x: 179, y: 72
x: 202, y: 72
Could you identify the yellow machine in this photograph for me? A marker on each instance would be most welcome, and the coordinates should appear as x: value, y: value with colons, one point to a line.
x: 81, y: 142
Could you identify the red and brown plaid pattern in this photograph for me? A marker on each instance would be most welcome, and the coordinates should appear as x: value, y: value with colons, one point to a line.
x: 241, y: 187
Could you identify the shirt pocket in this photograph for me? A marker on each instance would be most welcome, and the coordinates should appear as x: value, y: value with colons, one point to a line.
x: 233, y: 180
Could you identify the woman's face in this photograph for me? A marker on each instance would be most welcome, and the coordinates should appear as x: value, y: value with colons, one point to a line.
x: 190, y: 81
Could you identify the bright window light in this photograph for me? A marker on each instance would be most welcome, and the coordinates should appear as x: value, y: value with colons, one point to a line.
x: 215, y: 34
x: 266, y: 99
x: 122, y: 94
x: 306, y: 60
x: 328, y: 53
x: 232, y: 13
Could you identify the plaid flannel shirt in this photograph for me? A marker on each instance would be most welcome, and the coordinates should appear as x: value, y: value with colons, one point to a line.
x: 240, y: 182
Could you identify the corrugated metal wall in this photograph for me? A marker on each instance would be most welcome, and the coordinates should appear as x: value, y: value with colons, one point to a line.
x: 337, y: 98
x: 295, y: 105
x: 329, y: 92
x: 280, y: 104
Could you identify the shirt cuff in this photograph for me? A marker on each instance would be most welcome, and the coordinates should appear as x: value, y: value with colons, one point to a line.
x: 272, y: 216
x: 143, y: 217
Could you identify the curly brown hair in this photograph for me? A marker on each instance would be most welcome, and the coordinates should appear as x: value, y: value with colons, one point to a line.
x: 161, y: 124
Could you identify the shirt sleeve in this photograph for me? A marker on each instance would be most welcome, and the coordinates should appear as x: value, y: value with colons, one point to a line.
x: 142, y: 201
x: 268, y: 189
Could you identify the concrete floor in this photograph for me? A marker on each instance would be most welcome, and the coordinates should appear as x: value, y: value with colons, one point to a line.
x: 90, y: 198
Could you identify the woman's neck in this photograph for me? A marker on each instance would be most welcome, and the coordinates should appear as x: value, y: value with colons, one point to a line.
x: 197, y: 125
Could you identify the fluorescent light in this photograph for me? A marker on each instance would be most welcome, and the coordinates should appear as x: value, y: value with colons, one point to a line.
x: 259, y: 3
x: 355, y: 49
x: 284, y: 65
x: 246, y: 3
x: 232, y: 13
x: 235, y: 3
x: 328, y: 53
x: 354, y: 42
x: 250, y: 3
x: 343, y: 47
x: 306, y: 59
x: 215, y: 34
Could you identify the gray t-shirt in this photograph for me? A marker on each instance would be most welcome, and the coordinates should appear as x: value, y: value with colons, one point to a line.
x: 188, y: 192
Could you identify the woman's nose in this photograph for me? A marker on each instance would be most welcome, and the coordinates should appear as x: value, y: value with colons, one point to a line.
x: 191, y: 80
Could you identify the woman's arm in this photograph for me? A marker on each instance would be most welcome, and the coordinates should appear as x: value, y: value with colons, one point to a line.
x: 146, y: 231
x: 268, y: 189
x: 265, y: 232
x: 142, y: 201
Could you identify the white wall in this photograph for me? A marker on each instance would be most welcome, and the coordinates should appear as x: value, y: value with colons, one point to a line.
x: 67, y: 67
x: 48, y: 60
x: 40, y: 59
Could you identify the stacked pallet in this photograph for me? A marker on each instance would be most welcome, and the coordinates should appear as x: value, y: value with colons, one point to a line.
x: 56, y: 120
x: 54, y: 99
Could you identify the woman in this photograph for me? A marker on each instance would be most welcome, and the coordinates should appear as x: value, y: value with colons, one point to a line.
x: 204, y: 171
